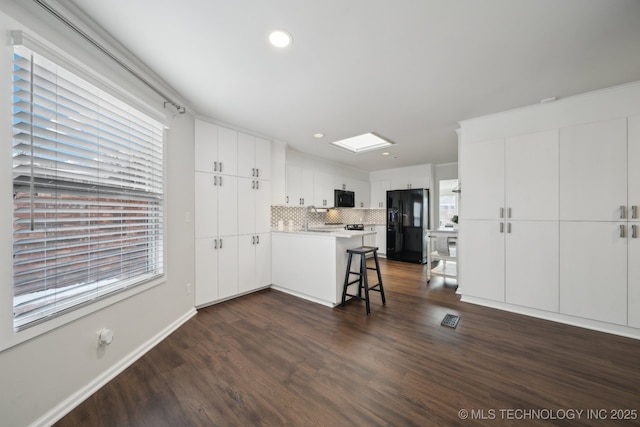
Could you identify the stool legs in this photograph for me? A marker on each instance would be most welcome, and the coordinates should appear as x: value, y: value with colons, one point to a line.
x: 363, y: 279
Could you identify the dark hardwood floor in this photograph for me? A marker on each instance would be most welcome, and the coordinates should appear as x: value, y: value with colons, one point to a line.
x: 272, y: 359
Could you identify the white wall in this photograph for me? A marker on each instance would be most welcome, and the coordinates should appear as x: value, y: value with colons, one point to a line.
x: 43, y: 377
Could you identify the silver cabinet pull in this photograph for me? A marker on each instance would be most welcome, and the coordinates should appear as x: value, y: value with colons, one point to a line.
x: 502, y: 227
x: 215, y: 180
x: 253, y: 185
x: 253, y: 240
x: 287, y: 200
x: 253, y: 171
x: 257, y: 172
x: 634, y: 231
x: 622, y: 230
x: 215, y: 166
x: 508, y: 212
x: 634, y: 212
x: 215, y: 243
x: 220, y: 182
x: 257, y: 240
x: 501, y: 212
x: 220, y: 166
x: 623, y: 212
x: 257, y: 185
x: 220, y: 243
x: 508, y: 227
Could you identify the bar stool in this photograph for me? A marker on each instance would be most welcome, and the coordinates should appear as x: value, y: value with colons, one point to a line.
x: 362, y: 280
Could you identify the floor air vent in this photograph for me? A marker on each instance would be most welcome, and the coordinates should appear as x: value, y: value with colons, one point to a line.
x: 450, y: 320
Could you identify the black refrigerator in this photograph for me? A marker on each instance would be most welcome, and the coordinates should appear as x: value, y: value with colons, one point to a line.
x: 407, y: 223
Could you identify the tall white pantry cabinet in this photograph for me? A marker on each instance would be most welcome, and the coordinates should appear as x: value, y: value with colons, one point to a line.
x: 232, y: 213
x: 550, y: 210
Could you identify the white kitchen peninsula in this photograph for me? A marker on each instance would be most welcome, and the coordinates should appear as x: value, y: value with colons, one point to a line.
x: 312, y: 264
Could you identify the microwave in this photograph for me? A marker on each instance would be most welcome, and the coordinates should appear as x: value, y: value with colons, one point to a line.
x: 344, y: 199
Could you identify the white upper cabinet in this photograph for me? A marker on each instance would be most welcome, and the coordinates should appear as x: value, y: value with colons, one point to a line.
x: 379, y: 193
x: 482, y: 179
x: 254, y: 157
x: 532, y: 176
x: 227, y: 151
x: 323, y: 194
x: 593, y: 171
x: 206, y: 146
x: 633, y: 254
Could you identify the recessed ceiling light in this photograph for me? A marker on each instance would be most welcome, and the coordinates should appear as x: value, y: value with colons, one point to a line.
x: 362, y: 143
x: 318, y: 135
x: 386, y: 153
x: 280, y: 38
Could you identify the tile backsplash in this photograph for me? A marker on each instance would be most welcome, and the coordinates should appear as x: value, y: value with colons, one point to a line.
x: 336, y: 215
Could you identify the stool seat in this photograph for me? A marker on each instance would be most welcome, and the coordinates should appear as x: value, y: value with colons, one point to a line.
x: 362, y: 278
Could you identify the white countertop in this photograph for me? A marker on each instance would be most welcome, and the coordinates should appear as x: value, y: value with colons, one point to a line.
x: 329, y: 233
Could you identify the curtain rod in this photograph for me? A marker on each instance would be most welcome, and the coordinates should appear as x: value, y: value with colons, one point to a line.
x: 104, y: 50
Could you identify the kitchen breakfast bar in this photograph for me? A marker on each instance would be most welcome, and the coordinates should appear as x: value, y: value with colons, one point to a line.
x: 312, y: 264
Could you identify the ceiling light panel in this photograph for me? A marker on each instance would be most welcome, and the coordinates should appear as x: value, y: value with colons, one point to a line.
x: 280, y: 38
x: 362, y: 143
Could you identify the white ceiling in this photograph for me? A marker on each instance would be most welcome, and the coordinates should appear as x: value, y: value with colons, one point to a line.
x: 408, y: 70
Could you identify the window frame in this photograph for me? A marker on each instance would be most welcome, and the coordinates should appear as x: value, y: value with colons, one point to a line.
x: 8, y: 335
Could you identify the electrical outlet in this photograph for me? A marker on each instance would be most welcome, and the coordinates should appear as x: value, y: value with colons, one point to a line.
x: 189, y: 289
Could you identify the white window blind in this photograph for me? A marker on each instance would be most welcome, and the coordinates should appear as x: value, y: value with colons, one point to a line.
x: 88, y: 192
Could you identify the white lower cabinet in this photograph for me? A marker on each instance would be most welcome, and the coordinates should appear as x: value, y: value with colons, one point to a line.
x: 532, y: 264
x: 593, y: 279
x: 633, y: 275
x: 381, y: 239
x: 482, y: 274
x: 216, y: 269
x: 228, y: 267
x: 255, y: 262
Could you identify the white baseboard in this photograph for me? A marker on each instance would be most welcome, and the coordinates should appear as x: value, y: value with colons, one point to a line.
x: 67, y: 405
x: 595, y: 325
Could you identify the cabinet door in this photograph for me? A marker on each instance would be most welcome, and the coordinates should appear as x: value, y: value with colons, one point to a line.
x: 206, y: 274
x: 206, y: 146
x: 381, y: 239
x: 227, y: 205
x: 593, y: 171
x: 379, y: 193
x: 263, y: 206
x: 633, y: 284
x: 482, y: 180
x: 228, y: 267
x: 247, y: 262
x: 633, y: 158
x: 481, y: 253
x: 361, y: 189
x: 263, y: 158
x: 322, y: 189
x: 228, y: 151
x: 294, y: 185
x: 246, y: 155
x: 593, y: 271
x: 532, y: 176
x: 532, y: 264
x: 206, y: 205
x: 263, y: 260
x: 246, y: 206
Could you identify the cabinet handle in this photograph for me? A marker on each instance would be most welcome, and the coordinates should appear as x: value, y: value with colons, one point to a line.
x: 215, y: 166
x: 501, y: 212
x: 215, y: 243
x: 220, y: 166
x: 622, y: 230
x: 623, y: 212
x: 257, y: 172
x: 257, y: 240
x: 634, y: 212
x: 220, y: 243
x: 253, y: 185
x: 253, y: 240
x: 215, y: 180
x: 287, y: 199
x: 253, y: 171
x: 508, y: 227
x: 502, y: 227
x: 634, y: 231
x: 257, y: 185
x: 508, y: 212
x: 220, y: 182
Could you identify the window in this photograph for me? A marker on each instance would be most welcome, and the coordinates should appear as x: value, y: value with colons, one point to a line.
x: 88, y: 192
